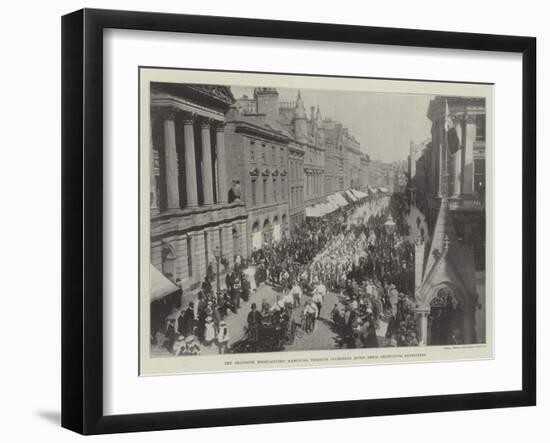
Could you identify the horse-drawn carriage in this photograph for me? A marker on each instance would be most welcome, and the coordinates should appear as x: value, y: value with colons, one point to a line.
x: 275, y: 330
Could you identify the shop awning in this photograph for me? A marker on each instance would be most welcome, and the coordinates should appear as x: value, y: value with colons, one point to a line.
x: 159, y: 285
x: 351, y: 195
x: 372, y: 190
x: 332, y: 198
x: 359, y: 194
x: 326, y: 208
x: 383, y: 189
x: 312, y: 211
x: 341, y: 199
x: 331, y: 206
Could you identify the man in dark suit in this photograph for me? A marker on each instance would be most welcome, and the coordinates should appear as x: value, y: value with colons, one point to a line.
x: 206, y: 286
x: 186, y: 323
x: 229, y: 279
x: 254, y: 321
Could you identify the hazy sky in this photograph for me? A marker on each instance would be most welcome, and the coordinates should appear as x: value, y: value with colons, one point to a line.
x: 384, y: 124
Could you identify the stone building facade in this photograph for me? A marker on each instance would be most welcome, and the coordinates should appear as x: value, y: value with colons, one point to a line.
x: 296, y: 156
x: 380, y: 174
x: 364, y: 161
x: 190, y: 216
x: 450, y: 267
x: 336, y: 161
x: 314, y: 160
x: 317, y: 151
x: 354, y: 154
x: 457, y: 169
x: 258, y: 158
x: 418, y: 164
x: 308, y: 154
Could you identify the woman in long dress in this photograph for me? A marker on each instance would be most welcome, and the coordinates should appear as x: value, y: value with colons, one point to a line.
x: 250, y: 273
x: 209, y: 331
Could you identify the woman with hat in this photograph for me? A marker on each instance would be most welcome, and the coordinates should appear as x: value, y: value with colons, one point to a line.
x: 223, y: 337
x: 209, y: 331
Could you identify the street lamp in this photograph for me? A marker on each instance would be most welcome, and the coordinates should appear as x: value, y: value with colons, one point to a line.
x: 218, y: 255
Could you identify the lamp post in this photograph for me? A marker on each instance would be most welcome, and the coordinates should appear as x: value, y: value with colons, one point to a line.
x: 218, y: 255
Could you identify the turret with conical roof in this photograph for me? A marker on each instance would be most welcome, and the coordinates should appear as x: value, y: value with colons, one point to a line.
x: 300, y: 119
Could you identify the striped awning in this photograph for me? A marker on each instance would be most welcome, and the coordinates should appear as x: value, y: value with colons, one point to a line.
x: 351, y: 195
x: 159, y: 285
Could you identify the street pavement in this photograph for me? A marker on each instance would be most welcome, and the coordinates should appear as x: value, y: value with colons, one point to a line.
x: 322, y: 338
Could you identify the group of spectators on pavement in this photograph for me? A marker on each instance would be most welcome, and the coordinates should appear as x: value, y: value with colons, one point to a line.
x: 371, y: 269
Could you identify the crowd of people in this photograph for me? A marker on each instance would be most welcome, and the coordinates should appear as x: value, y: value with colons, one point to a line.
x: 369, y: 266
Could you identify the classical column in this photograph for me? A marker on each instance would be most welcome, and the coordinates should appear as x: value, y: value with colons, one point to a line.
x: 222, y: 176
x: 419, y: 249
x: 458, y: 159
x: 171, y: 160
x: 423, y: 339
x: 206, y: 163
x: 190, y: 166
x: 152, y: 173
x: 442, y: 169
x: 468, y: 171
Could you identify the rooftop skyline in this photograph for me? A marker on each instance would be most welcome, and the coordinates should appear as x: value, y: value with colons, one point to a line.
x: 383, y: 123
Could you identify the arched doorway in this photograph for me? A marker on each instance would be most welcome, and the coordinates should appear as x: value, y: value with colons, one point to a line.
x: 446, y: 318
x: 256, y: 236
x: 267, y: 232
x: 276, y: 229
x: 284, y: 225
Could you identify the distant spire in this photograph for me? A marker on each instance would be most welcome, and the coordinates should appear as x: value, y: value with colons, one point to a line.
x: 299, y: 110
x: 300, y: 119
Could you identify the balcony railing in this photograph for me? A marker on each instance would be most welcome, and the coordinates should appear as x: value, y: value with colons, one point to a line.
x: 468, y: 203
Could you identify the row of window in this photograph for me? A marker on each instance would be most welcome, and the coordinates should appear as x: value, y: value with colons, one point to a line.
x: 278, y: 189
x: 314, y: 184
x: 314, y: 156
x: 296, y: 170
x: 260, y: 152
x: 296, y: 196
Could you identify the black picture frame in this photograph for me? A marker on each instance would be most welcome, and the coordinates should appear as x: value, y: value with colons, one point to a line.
x: 82, y: 218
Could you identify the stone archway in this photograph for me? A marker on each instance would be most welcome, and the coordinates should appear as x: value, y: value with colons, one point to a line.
x: 284, y: 225
x: 256, y: 236
x: 446, y: 317
x: 267, y: 232
x: 276, y: 229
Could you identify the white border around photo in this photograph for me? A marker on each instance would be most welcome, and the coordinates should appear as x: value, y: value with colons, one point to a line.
x: 126, y: 392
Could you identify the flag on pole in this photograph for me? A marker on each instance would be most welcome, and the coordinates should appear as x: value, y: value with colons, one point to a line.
x: 453, y: 141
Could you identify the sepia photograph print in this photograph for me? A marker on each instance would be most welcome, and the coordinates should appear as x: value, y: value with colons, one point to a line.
x: 294, y: 221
